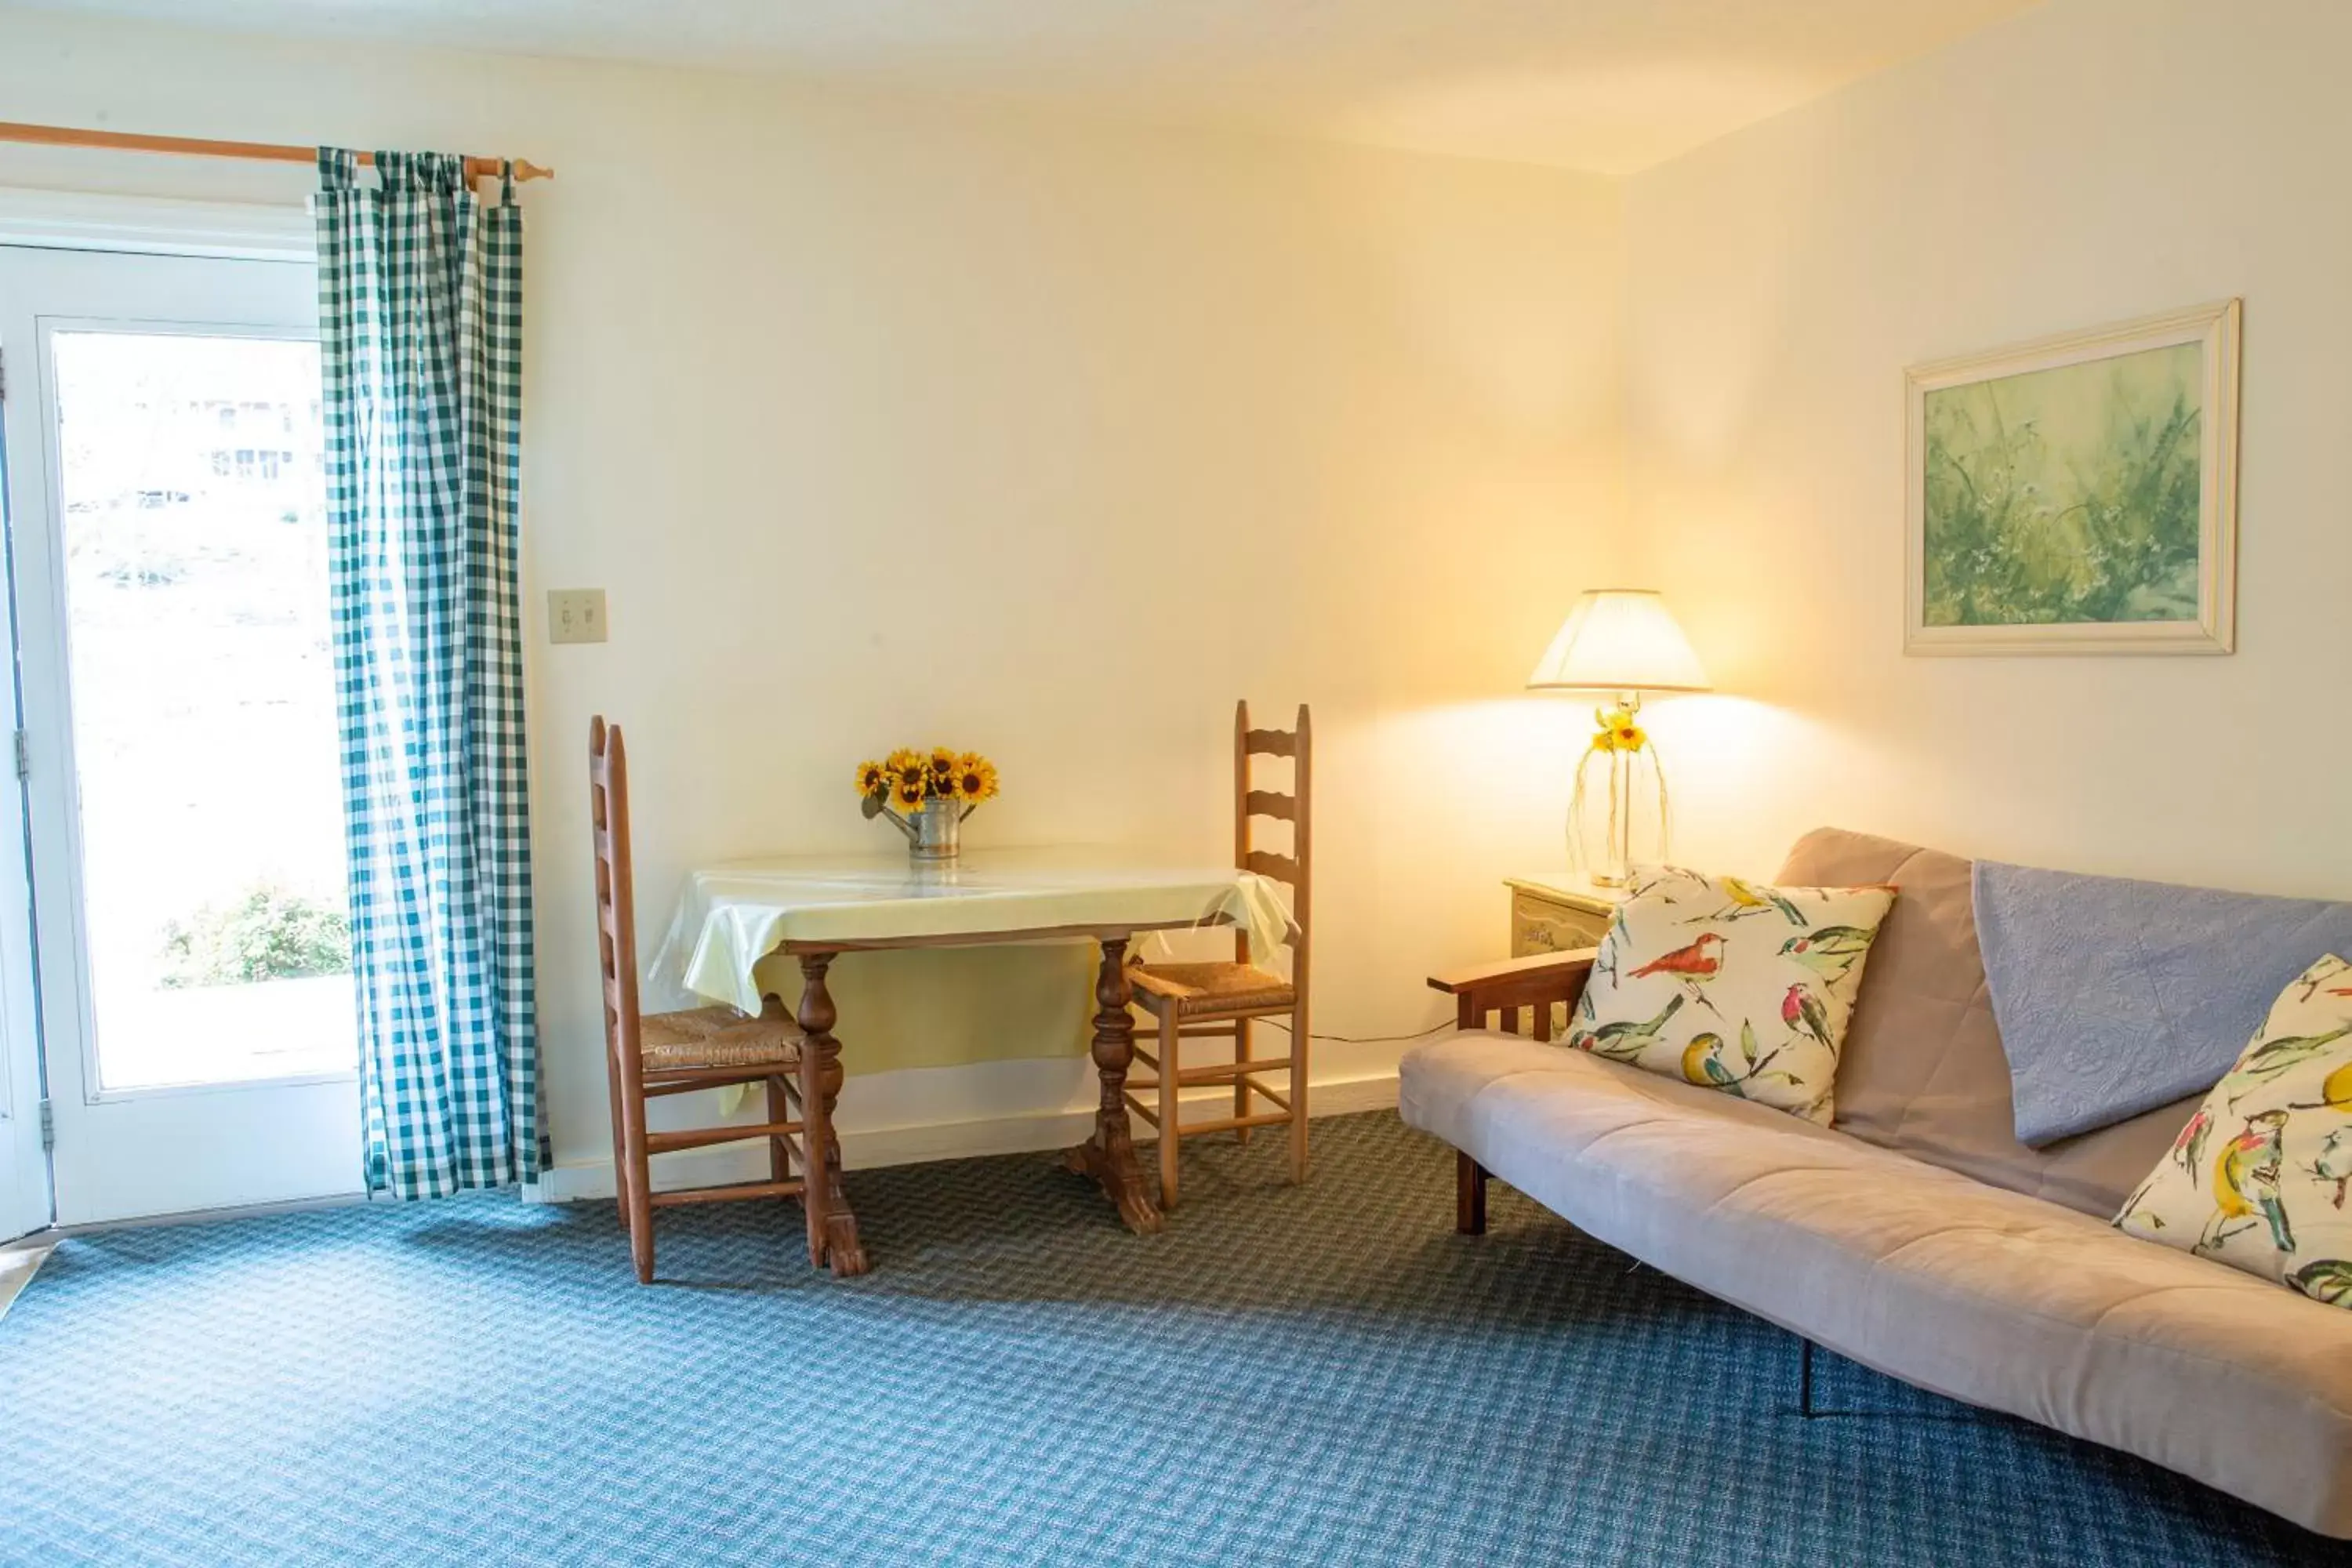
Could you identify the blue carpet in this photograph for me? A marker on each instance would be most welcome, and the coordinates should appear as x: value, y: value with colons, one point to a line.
x: 1325, y: 1375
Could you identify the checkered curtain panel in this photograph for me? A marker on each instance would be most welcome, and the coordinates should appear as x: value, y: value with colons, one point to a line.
x: 420, y: 325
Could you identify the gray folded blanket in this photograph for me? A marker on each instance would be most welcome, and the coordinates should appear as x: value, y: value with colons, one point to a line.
x: 2114, y: 997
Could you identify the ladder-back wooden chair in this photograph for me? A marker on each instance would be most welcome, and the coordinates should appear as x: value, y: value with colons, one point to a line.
x: 1219, y: 1001
x: 660, y: 1054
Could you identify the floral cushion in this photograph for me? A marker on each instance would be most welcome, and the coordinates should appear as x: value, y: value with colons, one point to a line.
x: 1731, y: 985
x: 2257, y: 1180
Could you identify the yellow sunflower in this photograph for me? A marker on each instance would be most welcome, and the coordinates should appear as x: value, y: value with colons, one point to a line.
x: 873, y: 778
x: 906, y: 795
x: 1618, y: 731
x: 975, y: 777
x: 943, y: 761
x: 907, y: 765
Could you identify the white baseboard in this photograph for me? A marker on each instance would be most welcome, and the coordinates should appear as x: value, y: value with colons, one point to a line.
x: 578, y: 1180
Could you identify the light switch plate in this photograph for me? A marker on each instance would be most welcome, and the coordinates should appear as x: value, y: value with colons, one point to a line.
x: 575, y: 614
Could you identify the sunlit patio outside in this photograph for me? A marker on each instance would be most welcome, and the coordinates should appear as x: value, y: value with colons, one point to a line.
x: 195, y: 541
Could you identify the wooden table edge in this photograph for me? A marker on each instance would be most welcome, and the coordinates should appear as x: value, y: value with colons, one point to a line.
x: 1121, y: 931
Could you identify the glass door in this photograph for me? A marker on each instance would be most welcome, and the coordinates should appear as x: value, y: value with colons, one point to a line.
x: 169, y: 540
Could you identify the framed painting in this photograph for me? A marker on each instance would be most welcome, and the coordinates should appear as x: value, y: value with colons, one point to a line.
x: 2078, y: 494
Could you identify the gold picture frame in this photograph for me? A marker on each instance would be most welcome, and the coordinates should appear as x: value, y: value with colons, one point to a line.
x: 2049, y: 485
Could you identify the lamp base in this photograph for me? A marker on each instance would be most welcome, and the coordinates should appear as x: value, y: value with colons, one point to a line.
x: 1622, y: 752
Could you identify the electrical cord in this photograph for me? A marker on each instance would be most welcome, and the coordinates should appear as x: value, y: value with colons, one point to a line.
x: 1362, y: 1039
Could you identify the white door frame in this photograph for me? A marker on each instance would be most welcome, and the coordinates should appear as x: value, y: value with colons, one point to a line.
x: 25, y: 1198
x: 155, y: 226
x: 81, y: 221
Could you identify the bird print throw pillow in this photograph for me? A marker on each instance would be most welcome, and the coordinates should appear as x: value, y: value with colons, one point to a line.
x: 1731, y: 985
x: 2257, y: 1180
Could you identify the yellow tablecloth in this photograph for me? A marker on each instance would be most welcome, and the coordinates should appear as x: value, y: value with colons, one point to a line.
x: 733, y: 916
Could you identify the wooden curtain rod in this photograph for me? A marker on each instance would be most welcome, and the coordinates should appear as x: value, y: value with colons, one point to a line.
x: 264, y: 152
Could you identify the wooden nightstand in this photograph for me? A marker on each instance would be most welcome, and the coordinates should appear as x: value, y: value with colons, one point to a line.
x: 1558, y: 911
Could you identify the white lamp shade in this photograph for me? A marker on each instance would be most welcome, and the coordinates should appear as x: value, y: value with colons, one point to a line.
x: 1620, y: 639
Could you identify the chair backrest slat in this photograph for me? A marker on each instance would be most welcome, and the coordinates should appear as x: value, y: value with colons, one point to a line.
x: 1265, y: 802
x: 1270, y: 742
x: 616, y: 922
x: 1265, y: 863
x: 1294, y: 807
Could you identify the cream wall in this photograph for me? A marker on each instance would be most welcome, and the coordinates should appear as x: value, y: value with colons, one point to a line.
x: 2089, y: 160
x: 881, y: 418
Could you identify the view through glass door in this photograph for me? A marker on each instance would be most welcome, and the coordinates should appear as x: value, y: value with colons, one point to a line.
x: 169, y: 539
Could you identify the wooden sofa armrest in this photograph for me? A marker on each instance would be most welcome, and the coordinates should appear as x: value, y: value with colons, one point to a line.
x: 1534, y: 982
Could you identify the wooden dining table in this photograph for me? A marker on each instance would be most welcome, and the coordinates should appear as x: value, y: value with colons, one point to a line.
x: 817, y: 908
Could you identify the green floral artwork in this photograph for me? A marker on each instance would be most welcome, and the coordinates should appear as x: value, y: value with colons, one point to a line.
x: 2065, y: 496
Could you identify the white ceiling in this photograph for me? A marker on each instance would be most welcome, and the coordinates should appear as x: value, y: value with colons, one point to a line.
x: 1605, y: 85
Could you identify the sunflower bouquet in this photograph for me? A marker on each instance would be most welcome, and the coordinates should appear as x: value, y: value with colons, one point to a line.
x: 939, y: 787
x: 1616, y: 730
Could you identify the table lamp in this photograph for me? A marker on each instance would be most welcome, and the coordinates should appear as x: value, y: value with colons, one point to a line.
x: 1621, y: 643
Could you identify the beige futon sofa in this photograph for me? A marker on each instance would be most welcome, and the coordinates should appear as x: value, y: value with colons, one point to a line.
x: 1919, y: 1237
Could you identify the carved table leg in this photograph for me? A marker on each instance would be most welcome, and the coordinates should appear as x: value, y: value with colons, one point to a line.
x: 1110, y: 1155
x: 832, y: 1228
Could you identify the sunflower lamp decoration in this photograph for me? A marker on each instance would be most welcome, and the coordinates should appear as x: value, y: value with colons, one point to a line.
x: 926, y: 796
x: 1620, y: 642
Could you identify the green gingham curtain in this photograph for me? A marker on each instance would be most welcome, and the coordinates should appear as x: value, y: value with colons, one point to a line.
x: 420, y: 326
